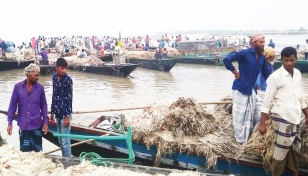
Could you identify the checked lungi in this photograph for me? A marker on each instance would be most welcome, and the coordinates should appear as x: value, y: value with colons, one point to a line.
x: 287, y: 145
x: 246, y: 114
x: 30, y: 140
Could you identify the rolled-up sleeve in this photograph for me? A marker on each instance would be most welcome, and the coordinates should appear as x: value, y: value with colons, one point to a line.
x: 270, y: 93
x: 12, y: 106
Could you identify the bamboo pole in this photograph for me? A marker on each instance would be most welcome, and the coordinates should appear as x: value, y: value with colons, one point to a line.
x: 124, y: 109
x: 218, y: 102
x: 78, y: 143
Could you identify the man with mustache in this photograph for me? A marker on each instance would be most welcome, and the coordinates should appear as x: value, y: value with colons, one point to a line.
x: 246, y: 106
x: 29, y: 97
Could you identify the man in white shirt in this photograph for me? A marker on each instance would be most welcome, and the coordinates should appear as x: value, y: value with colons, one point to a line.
x: 285, y: 94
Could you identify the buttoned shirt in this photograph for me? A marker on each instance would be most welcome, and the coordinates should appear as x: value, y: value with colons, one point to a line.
x: 62, y: 96
x: 286, y: 95
x: 32, y: 106
x: 249, y: 69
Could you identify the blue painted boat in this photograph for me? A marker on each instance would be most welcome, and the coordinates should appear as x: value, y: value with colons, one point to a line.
x: 301, y: 65
x: 147, y: 156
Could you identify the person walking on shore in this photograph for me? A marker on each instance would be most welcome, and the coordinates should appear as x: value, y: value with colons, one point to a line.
x: 246, y: 105
x: 61, y: 107
x: 29, y: 96
x: 285, y: 95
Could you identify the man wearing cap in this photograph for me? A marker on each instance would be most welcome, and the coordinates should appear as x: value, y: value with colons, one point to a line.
x: 246, y: 106
x: 29, y: 96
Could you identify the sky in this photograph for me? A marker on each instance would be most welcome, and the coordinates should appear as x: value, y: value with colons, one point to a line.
x: 26, y: 18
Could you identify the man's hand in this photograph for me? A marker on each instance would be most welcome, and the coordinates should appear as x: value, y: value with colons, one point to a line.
x: 45, y: 129
x: 52, y: 118
x: 262, y: 128
x: 66, y: 121
x: 236, y: 74
x: 9, y: 130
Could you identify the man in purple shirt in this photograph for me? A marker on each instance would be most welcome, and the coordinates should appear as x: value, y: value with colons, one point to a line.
x: 44, y: 55
x: 29, y: 97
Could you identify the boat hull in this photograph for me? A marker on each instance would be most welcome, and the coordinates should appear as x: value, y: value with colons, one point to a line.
x: 122, y: 70
x: 47, y: 69
x: 200, y: 59
x: 10, y: 65
x: 155, y: 64
x: 301, y: 65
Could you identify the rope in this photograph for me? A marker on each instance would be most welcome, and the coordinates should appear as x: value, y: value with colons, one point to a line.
x: 97, y: 160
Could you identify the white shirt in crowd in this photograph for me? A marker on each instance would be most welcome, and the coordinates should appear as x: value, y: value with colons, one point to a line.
x: 285, y: 94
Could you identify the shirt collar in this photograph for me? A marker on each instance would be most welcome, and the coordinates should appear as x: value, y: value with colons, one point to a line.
x: 286, y: 73
x: 252, y: 49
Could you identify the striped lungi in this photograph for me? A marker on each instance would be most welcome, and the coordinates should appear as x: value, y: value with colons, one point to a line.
x: 246, y: 113
x: 30, y: 140
x: 286, y: 135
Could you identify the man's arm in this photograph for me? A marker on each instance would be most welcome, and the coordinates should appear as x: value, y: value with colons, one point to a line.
x: 270, y: 93
x: 12, y: 106
x: 235, y: 56
x: 69, y: 94
x: 43, y: 107
x: 266, y: 69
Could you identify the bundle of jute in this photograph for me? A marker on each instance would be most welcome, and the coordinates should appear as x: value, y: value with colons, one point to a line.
x: 183, y: 126
x: 29, y: 54
x: 139, y: 55
x: 172, y: 52
x: 14, y: 162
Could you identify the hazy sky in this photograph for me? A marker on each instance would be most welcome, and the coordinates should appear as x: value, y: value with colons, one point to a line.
x: 22, y: 19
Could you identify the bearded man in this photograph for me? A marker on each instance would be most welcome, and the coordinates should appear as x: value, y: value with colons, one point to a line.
x: 246, y: 105
x: 29, y: 96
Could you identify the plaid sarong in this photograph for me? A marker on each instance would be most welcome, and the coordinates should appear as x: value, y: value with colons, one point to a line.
x: 286, y: 135
x: 30, y: 140
x: 246, y: 113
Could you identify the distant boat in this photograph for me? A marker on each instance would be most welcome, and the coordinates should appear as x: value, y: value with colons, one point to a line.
x: 301, y: 65
x: 47, y: 69
x: 10, y: 65
x: 122, y: 70
x: 155, y: 64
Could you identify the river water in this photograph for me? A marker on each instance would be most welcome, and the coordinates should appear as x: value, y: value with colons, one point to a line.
x: 146, y: 87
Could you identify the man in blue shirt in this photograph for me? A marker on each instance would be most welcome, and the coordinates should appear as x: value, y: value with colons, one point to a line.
x: 246, y: 106
x: 61, y: 107
x: 271, y: 44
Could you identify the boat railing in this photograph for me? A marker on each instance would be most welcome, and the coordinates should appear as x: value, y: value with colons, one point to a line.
x: 127, y: 136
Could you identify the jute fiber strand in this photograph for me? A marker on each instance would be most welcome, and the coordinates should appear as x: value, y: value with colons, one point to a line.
x: 185, y: 126
x: 16, y: 163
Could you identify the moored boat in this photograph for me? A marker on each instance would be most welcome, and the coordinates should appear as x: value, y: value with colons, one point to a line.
x: 81, y: 125
x: 208, y: 59
x: 10, y: 65
x: 47, y: 69
x: 122, y: 70
x: 155, y: 64
x: 301, y: 65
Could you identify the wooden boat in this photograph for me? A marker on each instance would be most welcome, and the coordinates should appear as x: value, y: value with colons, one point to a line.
x: 89, y: 125
x: 106, y: 57
x: 47, y: 69
x: 207, y: 59
x: 10, y: 65
x: 155, y: 64
x: 122, y: 70
x: 301, y: 65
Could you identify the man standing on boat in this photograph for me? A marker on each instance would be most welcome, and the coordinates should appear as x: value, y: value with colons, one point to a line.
x: 285, y: 95
x: 246, y: 105
x: 271, y: 44
x: 306, y: 50
x: 29, y: 97
x: 61, y: 107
